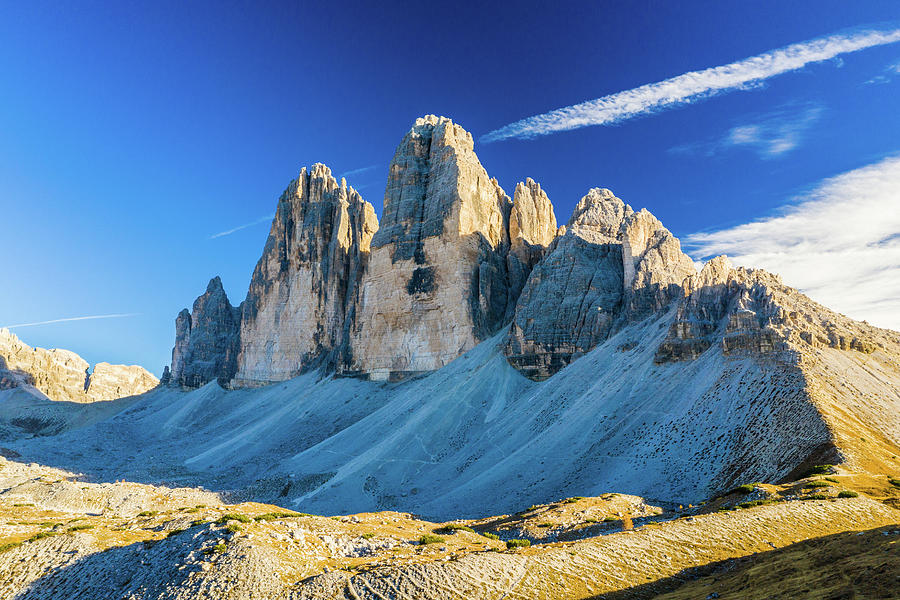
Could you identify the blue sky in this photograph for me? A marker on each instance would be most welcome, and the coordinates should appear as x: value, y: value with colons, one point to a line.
x: 132, y: 133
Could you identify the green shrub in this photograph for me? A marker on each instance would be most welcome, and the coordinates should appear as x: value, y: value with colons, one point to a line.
x: 20, y: 504
x: 220, y: 548
x: 517, y: 543
x: 894, y: 482
x: 368, y: 535
x: 233, y: 527
x: 148, y: 513
x: 819, y: 470
x: 545, y: 524
x: 430, y: 539
x: 745, y: 489
x: 453, y: 528
x: 817, y: 484
x: 279, y: 514
x: 233, y: 517
x: 41, y: 535
x: 80, y: 527
x: 815, y: 497
x: 847, y: 494
x: 192, y: 510
x: 175, y: 532
x: 591, y: 520
x: 609, y: 519
x: 198, y: 522
x: 832, y: 480
x: 9, y: 546
x: 491, y: 536
x: 573, y: 499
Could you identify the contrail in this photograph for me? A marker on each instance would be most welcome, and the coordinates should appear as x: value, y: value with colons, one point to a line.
x: 359, y: 171
x: 691, y: 87
x: 113, y: 316
x: 265, y: 219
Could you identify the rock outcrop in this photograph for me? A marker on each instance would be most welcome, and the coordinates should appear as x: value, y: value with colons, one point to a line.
x: 752, y: 311
x: 436, y: 282
x: 302, y: 298
x: 207, y: 340
x: 65, y: 376
x: 609, y: 266
x: 532, y: 227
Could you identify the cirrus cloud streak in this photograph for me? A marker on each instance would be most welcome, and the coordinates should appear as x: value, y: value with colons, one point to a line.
x: 692, y: 86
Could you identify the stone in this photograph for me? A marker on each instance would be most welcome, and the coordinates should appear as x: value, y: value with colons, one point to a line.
x: 654, y: 265
x: 436, y: 282
x: 532, y: 227
x: 303, y: 293
x: 207, y: 340
x: 573, y: 295
x: 65, y: 376
x: 751, y: 312
x: 609, y: 267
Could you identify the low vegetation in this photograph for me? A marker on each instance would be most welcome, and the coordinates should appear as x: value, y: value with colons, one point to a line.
x: 283, y: 514
x: 517, y: 543
x: 453, y: 528
x: 820, y: 470
x: 233, y: 517
x: 429, y: 538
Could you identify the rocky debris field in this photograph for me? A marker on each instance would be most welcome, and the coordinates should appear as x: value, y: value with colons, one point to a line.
x: 64, y: 538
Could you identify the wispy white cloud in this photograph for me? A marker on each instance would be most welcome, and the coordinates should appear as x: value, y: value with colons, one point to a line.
x: 840, y: 243
x: 266, y: 219
x: 360, y: 171
x: 87, y: 318
x: 890, y: 71
x: 771, y: 135
x: 691, y: 87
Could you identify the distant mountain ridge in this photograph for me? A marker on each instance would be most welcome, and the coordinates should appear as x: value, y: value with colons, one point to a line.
x: 63, y: 375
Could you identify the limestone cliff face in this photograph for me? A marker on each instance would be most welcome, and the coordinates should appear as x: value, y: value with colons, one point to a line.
x: 303, y: 293
x: 751, y: 310
x: 610, y: 266
x: 436, y: 282
x: 532, y: 227
x: 206, y: 340
x: 63, y: 375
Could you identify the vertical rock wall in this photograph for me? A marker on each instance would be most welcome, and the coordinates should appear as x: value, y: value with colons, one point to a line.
x: 206, y: 340
x: 302, y: 296
x: 436, y: 282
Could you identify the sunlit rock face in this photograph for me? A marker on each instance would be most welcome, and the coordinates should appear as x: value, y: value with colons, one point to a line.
x: 65, y: 376
x: 532, y: 227
x: 206, y: 340
x: 302, y: 297
x: 436, y: 282
x: 609, y: 266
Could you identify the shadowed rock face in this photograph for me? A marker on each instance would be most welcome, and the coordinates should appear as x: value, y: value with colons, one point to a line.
x: 206, y: 340
x: 610, y: 266
x: 436, y: 282
x: 302, y: 297
x: 63, y: 375
x: 752, y: 311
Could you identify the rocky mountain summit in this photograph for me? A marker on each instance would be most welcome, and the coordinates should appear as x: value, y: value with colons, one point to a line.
x: 453, y: 262
x: 63, y: 375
